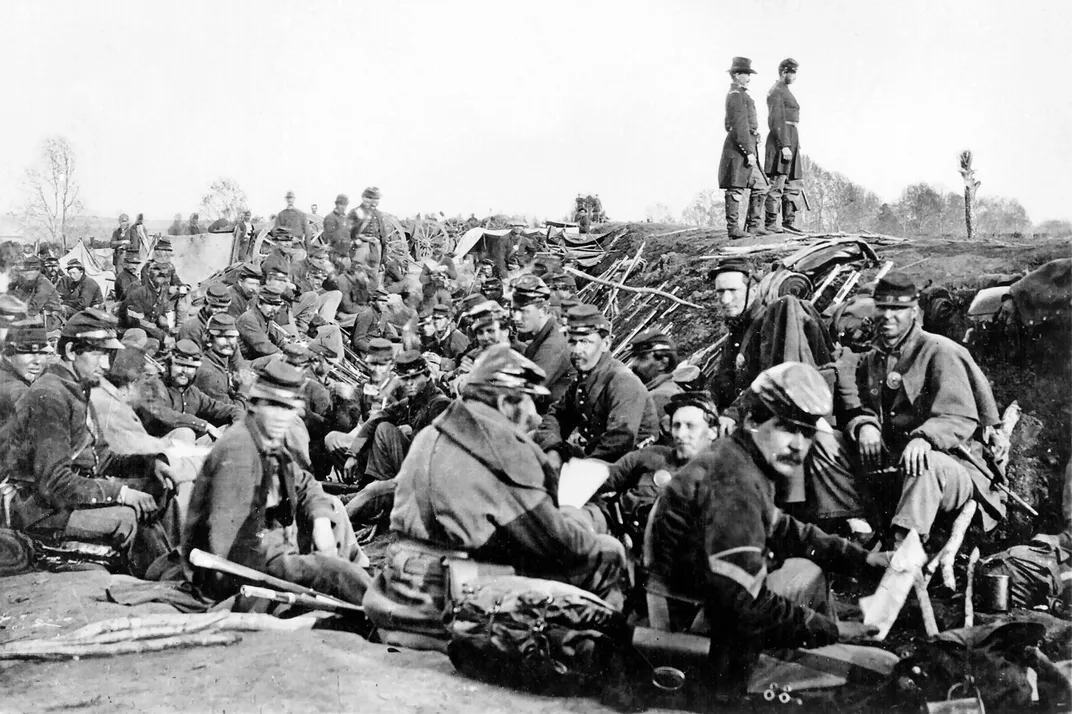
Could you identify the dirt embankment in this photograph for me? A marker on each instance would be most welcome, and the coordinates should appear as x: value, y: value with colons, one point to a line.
x: 1038, y: 379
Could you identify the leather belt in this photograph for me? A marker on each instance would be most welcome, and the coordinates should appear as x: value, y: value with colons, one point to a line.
x: 792, y: 123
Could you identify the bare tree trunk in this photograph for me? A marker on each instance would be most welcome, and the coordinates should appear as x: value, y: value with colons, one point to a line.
x: 970, y: 187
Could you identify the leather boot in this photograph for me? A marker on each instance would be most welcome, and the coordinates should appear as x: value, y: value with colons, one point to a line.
x: 789, y: 215
x: 754, y: 222
x: 733, y: 206
x: 771, y: 224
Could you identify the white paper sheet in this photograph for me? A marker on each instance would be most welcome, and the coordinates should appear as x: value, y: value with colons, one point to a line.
x: 882, y: 608
x: 579, y: 480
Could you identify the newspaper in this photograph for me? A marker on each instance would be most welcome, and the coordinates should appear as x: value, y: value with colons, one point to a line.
x: 580, y: 479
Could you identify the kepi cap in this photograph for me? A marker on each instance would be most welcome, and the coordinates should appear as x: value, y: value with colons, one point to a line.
x: 218, y: 295
x: 651, y: 341
x: 410, y: 363
x: 896, y: 290
x: 222, y: 324
x: 271, y: 295
x: 279, y: 382
x: 529, y: 289
x: 186, y: 352
x: 793, y: 391
x: 92, y: 327
x: 27, y: 337
x: 700, y: 400
x: 585, y: 319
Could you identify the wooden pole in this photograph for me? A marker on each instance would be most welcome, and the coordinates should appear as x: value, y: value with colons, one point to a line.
x: 622, y: 286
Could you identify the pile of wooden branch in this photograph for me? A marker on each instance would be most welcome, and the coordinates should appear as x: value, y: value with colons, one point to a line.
x: 152, y: 633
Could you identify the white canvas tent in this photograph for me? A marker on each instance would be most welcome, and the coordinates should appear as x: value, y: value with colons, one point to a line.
x: 96, y: 266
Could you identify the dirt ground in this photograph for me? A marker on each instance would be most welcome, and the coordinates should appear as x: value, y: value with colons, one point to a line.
x: 320, y: 671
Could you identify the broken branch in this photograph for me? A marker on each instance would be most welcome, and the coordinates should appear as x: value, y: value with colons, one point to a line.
x: 622, y: 286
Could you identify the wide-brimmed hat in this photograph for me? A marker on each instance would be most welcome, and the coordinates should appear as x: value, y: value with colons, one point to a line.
x: 504, y: 368
x: 741, y: 65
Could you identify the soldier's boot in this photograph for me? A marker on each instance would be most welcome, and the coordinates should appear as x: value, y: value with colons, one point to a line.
x: 754, y: 222
x: 733, y: 207
x: 771, y: 224
x: 774, y: 199
x: 789, y: 215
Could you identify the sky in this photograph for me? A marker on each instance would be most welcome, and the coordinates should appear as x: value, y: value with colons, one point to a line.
x: 516, y: 107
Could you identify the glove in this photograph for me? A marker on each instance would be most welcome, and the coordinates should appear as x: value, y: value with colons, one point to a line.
x: 787, y: 154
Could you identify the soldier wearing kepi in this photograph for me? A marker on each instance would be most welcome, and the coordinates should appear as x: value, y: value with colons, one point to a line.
x: 69, y: 484
x: 475, y: 486
x: 739, y: 168
x: 254, y: 505
x: 223, y: 372
x: 716, y: 522
x: 25, y: 350
x: 606, y: 412
x: 545, y: 344
x: 913, y: 402
x: 175, y: 402
x: 653, y: 358
x: 217, y: 301
x: 337, y: 227
x: 782, y: 160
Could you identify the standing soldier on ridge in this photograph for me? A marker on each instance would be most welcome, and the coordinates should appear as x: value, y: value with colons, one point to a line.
x: 781, y: 163
x: 738, y: 169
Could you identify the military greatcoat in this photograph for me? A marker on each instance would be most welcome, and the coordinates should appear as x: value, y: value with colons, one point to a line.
x: 742, y: 128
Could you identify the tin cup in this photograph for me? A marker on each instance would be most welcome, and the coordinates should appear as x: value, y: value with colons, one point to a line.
x: 994, y: 593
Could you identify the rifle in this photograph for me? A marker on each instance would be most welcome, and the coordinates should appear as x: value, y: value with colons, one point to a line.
x: 210, y: 561
x: 966, y: 454
x: 253, y: 591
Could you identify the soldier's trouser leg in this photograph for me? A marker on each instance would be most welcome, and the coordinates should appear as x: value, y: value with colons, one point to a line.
x: 757, y: 182
x: 371, y: 503
x: 331, y: 336
x: 602, y: 574
x: 774, y: 202
x: 345, y: 540
x: 792, y: 202
x: 830, y: 469
x: 733, y: 208
x: 943, y: 487
x: 327, y: 574
x: 115, y: 526
x: 389, y: 447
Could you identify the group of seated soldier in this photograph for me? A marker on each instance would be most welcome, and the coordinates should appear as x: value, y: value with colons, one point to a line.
x: 449, y: 410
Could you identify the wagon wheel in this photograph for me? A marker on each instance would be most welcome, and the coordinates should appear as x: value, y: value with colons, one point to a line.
x: 427, y: 236
x: 496, y: 223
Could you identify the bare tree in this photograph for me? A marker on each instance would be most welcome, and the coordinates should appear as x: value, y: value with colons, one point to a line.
x: 659, y: 213
x: 707, y: 209
x: 224, y: 199
x: 970, y: 187
x: 52, y: 192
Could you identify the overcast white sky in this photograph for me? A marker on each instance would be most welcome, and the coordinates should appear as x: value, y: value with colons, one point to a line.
x: 518, y: 106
